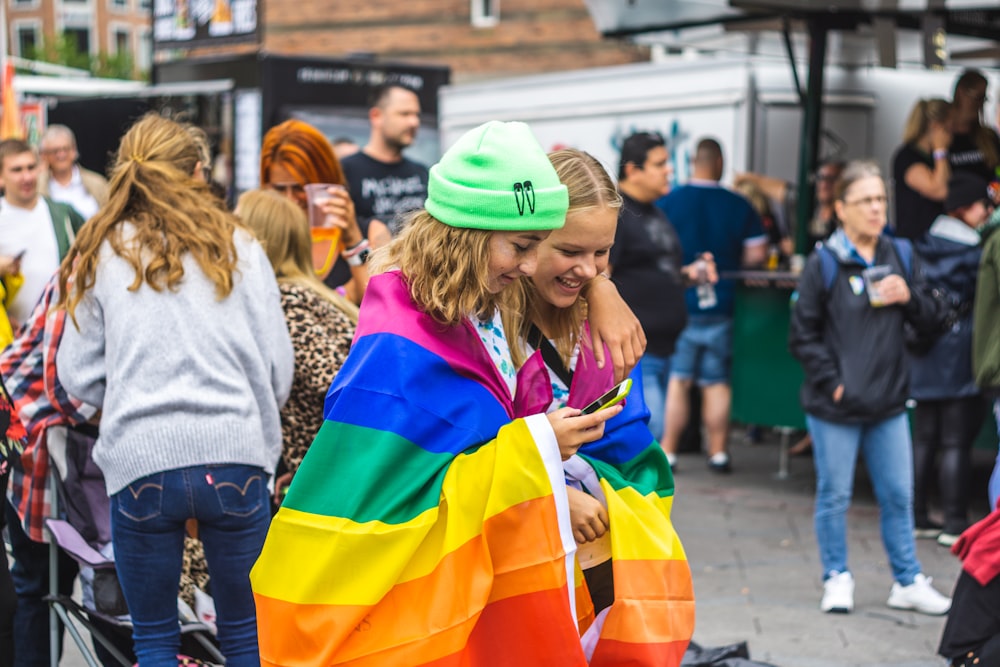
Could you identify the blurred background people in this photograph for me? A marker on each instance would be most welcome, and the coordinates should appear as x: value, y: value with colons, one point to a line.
x: 709, y: 219
x: 385, y: 184
x: 63, y: 180
x: 32, y: 226
x: 784, y: 200
x: 856, y: 386
x: 295, y: 154
x: 189, y: 424
x: 646, y: 263
x: 920, y: 168
x: 950, y: 409
x: 320, y: 321
x: 974, y: 145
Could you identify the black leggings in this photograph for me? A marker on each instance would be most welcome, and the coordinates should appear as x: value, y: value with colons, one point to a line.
x: 949, y: 426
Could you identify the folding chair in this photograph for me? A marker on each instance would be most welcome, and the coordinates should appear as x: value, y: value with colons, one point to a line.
x: 196, y: 637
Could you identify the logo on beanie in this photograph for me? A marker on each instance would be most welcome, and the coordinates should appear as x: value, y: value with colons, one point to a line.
x: 524, y: 193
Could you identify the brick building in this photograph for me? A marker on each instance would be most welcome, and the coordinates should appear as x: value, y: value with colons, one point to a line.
x: 97, y: 27
x: 478, y: 39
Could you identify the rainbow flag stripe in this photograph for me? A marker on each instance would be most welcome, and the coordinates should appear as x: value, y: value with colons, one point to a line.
x: 422, y: 527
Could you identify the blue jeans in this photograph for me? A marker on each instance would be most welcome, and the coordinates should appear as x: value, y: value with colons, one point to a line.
x: 232, y: 507
x: 655, y: 378
x: 995, y: 477
x: 704, y: 350
x: 889, y: 459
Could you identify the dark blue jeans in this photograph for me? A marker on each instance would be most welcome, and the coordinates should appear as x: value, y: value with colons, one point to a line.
x: 232, y: 507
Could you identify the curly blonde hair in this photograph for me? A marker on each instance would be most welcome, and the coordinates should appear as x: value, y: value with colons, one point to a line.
x: 446, y: 268
x: 153, y: 187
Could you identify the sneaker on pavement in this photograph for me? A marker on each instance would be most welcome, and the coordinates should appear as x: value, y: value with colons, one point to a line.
x: 925, y: 529
x: 719, y: 462
x: 947, y: 539
x: 838, y: 593
x: 919, y: 596
x: 672, y: 460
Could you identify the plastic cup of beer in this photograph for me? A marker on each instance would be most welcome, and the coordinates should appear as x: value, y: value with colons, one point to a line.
x: 321, y: 225
x: 872, y: 276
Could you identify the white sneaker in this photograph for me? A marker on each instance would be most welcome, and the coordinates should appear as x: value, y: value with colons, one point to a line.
x: 838, y: 593
x: 919, y: 596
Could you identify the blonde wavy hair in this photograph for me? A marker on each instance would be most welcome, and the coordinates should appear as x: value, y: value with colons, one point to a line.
x: 173, y: 213
x: 446, y: 268
x: 923, y: 113
x: 590, y: 188
x: 283, y: 230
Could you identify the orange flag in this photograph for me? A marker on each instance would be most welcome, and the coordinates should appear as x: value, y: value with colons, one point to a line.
x: 10, y: 122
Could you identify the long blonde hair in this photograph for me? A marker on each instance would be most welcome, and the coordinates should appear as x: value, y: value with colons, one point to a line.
x: 153, y: 187
x: 283, y: 230
x: 589, y: 187
x: 446, y: 267
x: 925, y: 112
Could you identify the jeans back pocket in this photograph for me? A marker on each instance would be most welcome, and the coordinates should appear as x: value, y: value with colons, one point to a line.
x: 142, y: 500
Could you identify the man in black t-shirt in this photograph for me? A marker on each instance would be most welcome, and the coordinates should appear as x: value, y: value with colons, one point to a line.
x: 384, y: 184
x: 646, y: 264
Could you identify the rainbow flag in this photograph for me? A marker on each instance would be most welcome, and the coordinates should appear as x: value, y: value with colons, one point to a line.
x: 423, y: 528
x: 10, y: 111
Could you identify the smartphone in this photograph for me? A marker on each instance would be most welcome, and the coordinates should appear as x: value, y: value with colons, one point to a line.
x: 614, y: 396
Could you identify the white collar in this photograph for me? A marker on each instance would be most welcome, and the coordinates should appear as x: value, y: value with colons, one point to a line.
x: 953, y: 229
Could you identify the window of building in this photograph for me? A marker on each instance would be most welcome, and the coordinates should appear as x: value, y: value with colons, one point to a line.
x: 119, y: 40
x: 79, y: 37
x: 119, y: 5
x: 24, y: 4
x: 26, y: 39
x: 485, y: 13
x: 145, y: 5
x: 144, y: 52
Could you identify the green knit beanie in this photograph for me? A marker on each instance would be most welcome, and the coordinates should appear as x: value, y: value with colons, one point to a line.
x: 497, y: 177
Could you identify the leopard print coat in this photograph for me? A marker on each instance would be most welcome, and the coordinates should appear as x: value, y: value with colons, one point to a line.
x: 321, y: 336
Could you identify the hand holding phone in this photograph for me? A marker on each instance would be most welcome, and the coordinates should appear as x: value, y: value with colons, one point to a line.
x: 613, y: 396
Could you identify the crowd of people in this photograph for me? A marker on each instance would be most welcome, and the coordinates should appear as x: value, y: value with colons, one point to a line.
x: 386, y: 372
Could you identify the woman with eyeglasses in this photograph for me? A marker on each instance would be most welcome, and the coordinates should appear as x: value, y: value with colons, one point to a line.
x: 295, y: 154
x: 847, y: 332
x: 974, y: 146
x: 920, y: 168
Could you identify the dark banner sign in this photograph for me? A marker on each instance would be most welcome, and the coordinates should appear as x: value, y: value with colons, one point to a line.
x: 188, y: 23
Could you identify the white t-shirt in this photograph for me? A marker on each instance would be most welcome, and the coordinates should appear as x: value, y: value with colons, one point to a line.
x: 31, y: 231
x: 74, y: 194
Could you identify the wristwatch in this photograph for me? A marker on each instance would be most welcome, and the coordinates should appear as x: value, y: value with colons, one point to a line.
x: 359, y: 258
x: 357, y: 254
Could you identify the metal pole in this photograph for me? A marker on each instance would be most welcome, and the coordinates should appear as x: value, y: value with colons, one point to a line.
x: 811, y: 124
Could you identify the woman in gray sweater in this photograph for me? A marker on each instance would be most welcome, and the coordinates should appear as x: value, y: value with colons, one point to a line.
x: 177, y: 333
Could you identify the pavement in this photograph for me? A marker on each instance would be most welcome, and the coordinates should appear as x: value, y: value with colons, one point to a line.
x: 750, y: 544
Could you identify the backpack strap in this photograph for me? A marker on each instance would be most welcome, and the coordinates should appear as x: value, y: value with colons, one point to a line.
x: 904, y: 251
x: 829, y: 266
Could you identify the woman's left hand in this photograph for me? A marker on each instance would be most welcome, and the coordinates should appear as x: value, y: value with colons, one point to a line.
x: 613, y: 323
x: 893, y: 289
x: 339, y: 209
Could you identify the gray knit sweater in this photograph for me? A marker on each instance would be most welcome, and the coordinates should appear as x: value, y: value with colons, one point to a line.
x: 182, y: 378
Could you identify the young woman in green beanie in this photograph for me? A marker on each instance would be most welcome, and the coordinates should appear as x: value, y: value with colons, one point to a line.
x: 432, y: 501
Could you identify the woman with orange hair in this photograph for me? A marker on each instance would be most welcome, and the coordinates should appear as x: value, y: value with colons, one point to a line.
x: 295, y: 154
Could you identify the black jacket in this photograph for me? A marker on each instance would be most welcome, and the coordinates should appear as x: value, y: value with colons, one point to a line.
x: 839, y: 338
